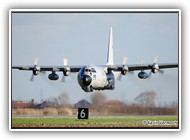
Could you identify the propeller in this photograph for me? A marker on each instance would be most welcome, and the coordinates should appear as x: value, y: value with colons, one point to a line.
x: 125, y: 61
x: 124, y: 68
x: 65, y: 62
x: 155, y: 67
x: 36, y: 69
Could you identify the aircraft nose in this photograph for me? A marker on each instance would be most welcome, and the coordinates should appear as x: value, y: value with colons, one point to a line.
x: 87, y: 80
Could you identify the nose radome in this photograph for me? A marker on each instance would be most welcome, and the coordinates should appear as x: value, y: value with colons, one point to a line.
x: 87, y: 80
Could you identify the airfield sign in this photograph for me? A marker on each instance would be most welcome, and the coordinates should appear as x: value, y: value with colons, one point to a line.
x: 83, y: 113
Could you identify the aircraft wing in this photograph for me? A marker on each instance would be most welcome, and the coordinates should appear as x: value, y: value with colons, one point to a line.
x: 111, y: 67
x: 143, y: 66
x: 48, y: 68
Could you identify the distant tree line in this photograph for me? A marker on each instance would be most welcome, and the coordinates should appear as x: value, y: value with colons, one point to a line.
x: 144, y: 104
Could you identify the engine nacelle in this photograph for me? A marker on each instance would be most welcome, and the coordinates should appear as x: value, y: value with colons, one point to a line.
x: 53, y: 76
x: 124, y: 70
x: 66, y: 71
x: 36, y: 70
x: 142, y: 75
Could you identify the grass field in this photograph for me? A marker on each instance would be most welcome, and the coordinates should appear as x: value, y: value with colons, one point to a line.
x: 98, y: 122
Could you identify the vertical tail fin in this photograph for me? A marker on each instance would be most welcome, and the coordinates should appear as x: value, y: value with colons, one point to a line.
x: 110, y: 60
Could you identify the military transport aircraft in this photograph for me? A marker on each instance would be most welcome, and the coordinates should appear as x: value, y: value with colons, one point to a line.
x: 98, y: 77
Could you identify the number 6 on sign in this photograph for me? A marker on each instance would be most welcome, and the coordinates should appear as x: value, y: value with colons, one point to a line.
x: 83, y: 113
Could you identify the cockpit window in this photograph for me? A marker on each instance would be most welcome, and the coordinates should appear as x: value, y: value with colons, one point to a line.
x: 93, y: 70
x: 90, y: 70
x: 87, y: 70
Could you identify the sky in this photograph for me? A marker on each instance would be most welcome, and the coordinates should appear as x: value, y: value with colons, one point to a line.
x: 83, y: 39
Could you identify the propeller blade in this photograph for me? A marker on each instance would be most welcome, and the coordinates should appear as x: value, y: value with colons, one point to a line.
x: 125, y: 59
x: 149, y: 75
x: 131, y: 72
x: 156, y: 59
x: 63, y: 79
x: 65, y: 61
x: 119, y: 77
x: 32, y: 78
x: 161, y: 71
x: 36, y: 60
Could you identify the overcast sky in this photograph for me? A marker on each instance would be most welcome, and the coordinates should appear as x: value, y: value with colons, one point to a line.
x: 83, y: 39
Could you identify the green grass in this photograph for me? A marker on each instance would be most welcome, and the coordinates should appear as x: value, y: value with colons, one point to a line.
x: 93, y: 120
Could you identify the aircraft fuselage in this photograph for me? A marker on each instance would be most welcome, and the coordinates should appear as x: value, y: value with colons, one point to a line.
x: 96, y: 78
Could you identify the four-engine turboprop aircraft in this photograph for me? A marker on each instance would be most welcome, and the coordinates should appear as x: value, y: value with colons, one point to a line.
x: 98, y: 77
